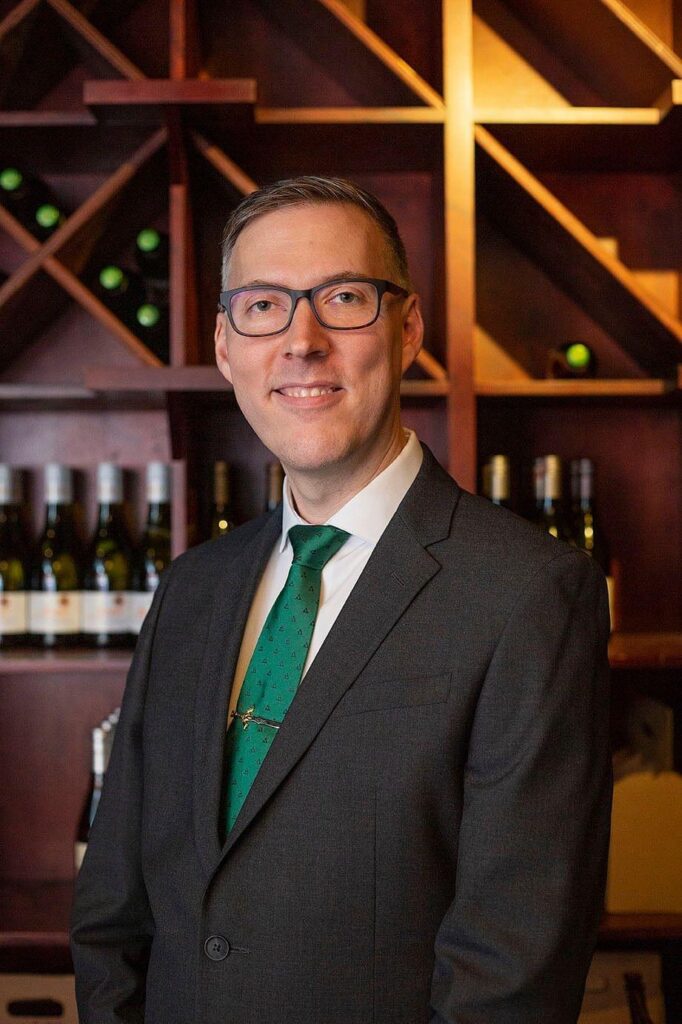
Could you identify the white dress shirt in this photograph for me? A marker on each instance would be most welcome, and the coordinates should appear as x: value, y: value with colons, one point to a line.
x: 364, y: 517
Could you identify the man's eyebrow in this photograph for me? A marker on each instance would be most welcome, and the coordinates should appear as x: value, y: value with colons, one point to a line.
x: 343, y: 275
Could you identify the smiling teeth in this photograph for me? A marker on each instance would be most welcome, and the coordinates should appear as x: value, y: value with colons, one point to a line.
x: 307, y: 392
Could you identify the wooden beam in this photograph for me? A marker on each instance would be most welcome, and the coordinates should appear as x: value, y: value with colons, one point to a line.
x: 460, y: 244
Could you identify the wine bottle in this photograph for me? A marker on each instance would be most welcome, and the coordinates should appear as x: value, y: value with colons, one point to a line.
x: 152, y: 326
x: 46, y: 219
x: 496, y: 480
x: 14, y: 568
x: 54, y: 603
x: 151, y: 256
x: 92, y: 799
x: 106, y: 618
x: 574, y: 359
x: 636, y: 996
x: 122, y: 291
x: 275, y: 485
x: 586, y: 530
x: 549, y: 510
x: 153, y: 554
x: 222, y: 519
x: 31, y: 202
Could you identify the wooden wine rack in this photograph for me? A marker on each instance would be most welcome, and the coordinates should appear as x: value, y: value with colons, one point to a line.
x: 514, y: 140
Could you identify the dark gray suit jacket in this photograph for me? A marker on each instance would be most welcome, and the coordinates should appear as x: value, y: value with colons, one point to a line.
x: 426, y: 840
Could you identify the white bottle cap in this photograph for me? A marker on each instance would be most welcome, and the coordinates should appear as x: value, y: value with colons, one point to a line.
x: 6, y: 484
x: 109, y: 483
x: 58, y: 484
x: 158, y: 483
x: 98, y: 756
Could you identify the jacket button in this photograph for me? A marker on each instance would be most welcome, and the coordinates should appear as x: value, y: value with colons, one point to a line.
x: 216, y: 947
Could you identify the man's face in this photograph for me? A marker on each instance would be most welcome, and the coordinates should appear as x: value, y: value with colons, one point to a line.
x: 356, y: 417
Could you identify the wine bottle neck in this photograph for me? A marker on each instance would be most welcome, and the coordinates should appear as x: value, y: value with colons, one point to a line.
x: 158, y: 515
x: 58, y: 513
x: 109, y: 512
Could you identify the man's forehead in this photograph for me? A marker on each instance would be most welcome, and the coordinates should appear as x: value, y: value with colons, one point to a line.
x: 333, y: 234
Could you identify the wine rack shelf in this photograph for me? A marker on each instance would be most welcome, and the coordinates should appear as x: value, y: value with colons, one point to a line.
x: 640, y: 927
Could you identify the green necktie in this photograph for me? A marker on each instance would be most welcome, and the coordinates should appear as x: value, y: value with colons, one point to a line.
x: 276, y: 665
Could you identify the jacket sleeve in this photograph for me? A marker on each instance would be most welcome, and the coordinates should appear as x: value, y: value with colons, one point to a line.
x: 515, y: 944
x: 111, y: 922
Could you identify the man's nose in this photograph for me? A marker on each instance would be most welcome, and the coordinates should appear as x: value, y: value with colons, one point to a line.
x: 305, y: 335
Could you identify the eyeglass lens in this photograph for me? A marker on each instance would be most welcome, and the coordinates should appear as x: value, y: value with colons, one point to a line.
x: 264, y: 310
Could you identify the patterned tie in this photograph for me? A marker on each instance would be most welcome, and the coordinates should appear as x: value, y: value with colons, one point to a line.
x: 276, y: 665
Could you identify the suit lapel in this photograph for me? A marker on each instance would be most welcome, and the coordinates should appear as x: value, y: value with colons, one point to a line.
x: 399, y: 567
x: 231, y: 603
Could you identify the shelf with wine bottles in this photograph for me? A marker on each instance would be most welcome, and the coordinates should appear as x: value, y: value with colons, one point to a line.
x: 85, y: 584
x: 543, y: 228
x: 104, y: 219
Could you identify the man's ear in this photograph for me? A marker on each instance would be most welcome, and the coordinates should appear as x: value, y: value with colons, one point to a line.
x: 413, y: 330
x: 220, y: 337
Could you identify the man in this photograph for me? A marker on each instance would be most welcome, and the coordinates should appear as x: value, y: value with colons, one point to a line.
x: 417, y: 831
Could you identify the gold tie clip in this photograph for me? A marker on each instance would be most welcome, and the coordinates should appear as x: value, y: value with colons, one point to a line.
x: 248, y: 716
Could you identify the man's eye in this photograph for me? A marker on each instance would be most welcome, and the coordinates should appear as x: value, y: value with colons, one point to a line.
x: 262, y: 305
x: 345, y: 298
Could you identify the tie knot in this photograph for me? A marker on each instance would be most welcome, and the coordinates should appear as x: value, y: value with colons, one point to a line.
x: 315, y: 545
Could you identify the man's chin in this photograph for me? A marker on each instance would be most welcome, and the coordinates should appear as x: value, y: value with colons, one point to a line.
x: 323, y: 459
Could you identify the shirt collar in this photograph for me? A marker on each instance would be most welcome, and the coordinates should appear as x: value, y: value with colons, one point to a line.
x: 367, y: 514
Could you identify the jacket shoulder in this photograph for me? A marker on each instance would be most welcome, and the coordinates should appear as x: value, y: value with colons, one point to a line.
x: 501, y: 539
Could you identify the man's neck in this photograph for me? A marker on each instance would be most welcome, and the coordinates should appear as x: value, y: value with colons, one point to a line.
x: 316, y: 499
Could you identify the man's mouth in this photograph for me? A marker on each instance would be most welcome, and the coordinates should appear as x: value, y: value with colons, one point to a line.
x: 313, y: 391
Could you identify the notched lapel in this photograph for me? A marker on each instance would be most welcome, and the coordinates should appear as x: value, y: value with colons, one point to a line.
x: 400, y: 566
x: 231, y: 604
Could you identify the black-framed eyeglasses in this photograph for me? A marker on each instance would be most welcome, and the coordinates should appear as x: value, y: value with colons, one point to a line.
x: 342, y: 305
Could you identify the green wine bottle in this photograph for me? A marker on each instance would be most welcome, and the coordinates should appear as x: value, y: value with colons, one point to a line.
x: 496, y: 480
x: 222, y: 518
x: 31, y: 202
x: 122, y: 291
x: 586, y: 527
x: 550, y: 514
x: 153, y: 554
x: 275, y: 485
x: 14, y: 568
x: 152, y: 326
x: 151, y: 256
x: 93, y: 797
x: 55, y: 597
x: 108, y: 566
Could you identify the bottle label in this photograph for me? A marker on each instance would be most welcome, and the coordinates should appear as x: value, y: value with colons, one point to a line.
x: 105, y: 612
x: 13, y: 611
x: 139, y: 604
x: 54, y: 612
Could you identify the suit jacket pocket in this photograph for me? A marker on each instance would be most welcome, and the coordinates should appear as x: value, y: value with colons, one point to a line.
x: 385, y: 694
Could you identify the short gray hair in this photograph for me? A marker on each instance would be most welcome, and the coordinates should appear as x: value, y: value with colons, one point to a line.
x: 312, y: 188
